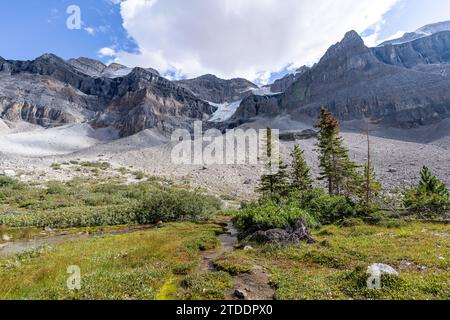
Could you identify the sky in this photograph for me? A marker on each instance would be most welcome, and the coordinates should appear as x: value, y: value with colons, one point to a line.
x: 255, y: 39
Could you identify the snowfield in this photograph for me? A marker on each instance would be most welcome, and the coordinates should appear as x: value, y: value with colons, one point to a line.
x: 224, y: 111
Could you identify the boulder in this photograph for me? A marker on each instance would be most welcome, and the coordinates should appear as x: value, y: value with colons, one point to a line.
x: 297, y: 233
x: 380, y: 268
x: 8, y: 173
x: 240, y: 294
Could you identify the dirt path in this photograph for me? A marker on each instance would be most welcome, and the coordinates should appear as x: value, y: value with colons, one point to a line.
x: 16, y: 247
x: 254, y: 285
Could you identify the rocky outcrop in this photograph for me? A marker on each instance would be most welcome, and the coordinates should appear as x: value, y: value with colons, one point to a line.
x: 297, y: 233
x: 88, y: 66
x: 213, y: 89
x: 97, y: 69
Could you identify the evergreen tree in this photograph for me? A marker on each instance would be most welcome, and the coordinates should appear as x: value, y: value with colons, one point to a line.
x: 430, y: 197
x: 334, y: 162
x: 274, y: 183
x: 300, y: 173
x: 430, y: 184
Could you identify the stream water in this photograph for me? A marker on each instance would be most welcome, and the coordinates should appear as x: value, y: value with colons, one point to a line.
x: 16, y: 247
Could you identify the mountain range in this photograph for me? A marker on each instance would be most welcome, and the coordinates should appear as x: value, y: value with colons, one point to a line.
x: 402, y: 83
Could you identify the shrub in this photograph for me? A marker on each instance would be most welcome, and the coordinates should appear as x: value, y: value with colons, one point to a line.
x: 326, y: 208
x: 139, y: 175
x: 7, y: 182
x: 80, y: 203
x: 56, y: 166
x: 429, y: 197
x: 270, y: 215
x: 176, y: 205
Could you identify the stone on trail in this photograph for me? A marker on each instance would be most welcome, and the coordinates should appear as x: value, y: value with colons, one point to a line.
x: 240, y: 294
x: 380, y: 268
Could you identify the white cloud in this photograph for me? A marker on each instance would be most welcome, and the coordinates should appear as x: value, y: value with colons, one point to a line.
x: 90, y: 30
x: 106, y: 52
x: 240, y: 38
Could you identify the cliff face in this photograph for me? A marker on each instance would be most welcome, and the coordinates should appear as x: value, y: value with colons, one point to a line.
x: 431, y: 50
x: 213, y: 89
x: 354, y: 81
x: 282, y: 84
x: 49, y: 91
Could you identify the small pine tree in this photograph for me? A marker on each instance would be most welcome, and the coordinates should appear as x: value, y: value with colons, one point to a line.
x: 430, y: 197
x: 274, y: 184
x: 300, y: 173
x: 334, y: 162
x: 430, y: 184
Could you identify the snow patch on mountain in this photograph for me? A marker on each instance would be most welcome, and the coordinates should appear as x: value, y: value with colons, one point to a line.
x: 224, y: 111
x: 423, y: 32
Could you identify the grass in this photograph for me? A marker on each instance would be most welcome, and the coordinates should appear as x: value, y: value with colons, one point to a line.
x: 335, y: 267
x: 233, y: 264
x: 141, y: 265
x: 90, y: 203
x: 163, y: 263
x: 207, y: 286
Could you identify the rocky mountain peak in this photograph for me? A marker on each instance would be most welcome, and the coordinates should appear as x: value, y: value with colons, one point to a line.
x: 213, y: 89
x: 87, y: 65
x: 352, y: 38
x: 116, y: 66
x: 351, y: 44
x: 49, y: 57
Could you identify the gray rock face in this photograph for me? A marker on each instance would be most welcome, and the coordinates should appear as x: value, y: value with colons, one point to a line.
x: 282, y: 84
x: 97, y: 69
x: 88, y: 66
x: 213, y: 89
x: 353, y: 82
x: 431, y: 50
x: 49, y: 91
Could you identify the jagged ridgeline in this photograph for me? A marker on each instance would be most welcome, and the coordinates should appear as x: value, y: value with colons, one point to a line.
x: 401, y: 83
x: 49, y: 91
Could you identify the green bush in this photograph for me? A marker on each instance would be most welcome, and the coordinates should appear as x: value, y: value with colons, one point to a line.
x: 176, y: 205
x: 326, y: 208
x: 427, y: 204
x: 84, y: 203
x: 7, y: 182
x: 430, y: 197
x: 269, y: 215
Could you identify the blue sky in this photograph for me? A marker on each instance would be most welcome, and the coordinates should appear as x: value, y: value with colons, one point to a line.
x: 257, y: 39
x: 31, y: 28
